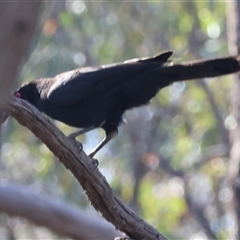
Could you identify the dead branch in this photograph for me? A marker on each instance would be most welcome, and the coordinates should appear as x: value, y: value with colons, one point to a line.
x: 93, y: 182
x: 56, y: 215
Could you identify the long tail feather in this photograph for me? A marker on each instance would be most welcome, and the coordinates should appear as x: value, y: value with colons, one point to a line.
x: 202, y: 69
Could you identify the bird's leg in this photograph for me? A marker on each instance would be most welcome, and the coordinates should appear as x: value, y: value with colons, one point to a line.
x: 108, y: 137
x: 72, y: 136
x: 79, y: 132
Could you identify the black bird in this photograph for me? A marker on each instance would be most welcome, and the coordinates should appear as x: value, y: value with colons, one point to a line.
x: 97, y: 97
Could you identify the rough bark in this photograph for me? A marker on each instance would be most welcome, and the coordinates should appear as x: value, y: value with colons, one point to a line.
x: 18, y: 20
x: 234, y: 163
x: 93, y: 182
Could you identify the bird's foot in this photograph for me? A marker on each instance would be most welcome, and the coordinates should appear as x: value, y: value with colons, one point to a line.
x: 95, y: 162
x: 76, y: 144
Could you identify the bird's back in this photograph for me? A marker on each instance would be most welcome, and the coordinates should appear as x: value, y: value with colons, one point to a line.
x: 90, y: 96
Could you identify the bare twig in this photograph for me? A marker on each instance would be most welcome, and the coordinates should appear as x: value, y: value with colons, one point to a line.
x: 198, y: 212
x: 216, y: 151
x: 217, y: 114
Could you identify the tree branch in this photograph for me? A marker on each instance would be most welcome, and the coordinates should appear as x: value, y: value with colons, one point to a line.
x: 233, y: 176
x: 224, y: 133
x: 81, y: 166
x: 18, y: 20
x: 58, y: 216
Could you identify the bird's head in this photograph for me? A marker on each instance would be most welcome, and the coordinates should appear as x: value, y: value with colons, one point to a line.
x: 28, y: 92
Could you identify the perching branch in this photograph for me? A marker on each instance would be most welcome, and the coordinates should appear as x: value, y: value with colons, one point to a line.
x: 93, y: 182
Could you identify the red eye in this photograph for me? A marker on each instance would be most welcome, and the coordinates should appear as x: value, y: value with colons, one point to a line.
x: 17, y: 94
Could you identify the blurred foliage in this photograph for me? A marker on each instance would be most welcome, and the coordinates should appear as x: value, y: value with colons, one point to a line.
x: 74, y: 34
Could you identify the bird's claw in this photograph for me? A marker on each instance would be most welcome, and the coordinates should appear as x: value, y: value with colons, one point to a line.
x: 76, y: 144
x: 95, y: 162
x: 79, y: 146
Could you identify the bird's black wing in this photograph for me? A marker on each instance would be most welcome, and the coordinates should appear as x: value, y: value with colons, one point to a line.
x: 73, y: 86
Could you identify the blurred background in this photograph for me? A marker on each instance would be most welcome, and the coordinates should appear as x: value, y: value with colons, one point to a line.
x: 169, y: 161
